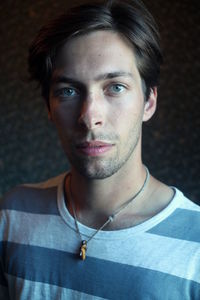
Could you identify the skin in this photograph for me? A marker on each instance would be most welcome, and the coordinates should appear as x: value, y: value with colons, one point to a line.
x: 96, y: 96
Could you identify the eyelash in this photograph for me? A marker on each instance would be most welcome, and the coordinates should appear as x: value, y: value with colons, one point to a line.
x: 122, y: 88
x: 60, y: 92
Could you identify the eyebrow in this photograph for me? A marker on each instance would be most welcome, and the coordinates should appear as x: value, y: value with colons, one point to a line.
x: 111, y: 75
x: 105, y: 76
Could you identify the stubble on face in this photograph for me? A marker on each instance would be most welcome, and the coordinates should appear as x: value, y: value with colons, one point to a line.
x: 124, y: 130
x: 103, y: 167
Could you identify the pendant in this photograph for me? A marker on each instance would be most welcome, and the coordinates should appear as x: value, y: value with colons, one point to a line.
x: 83, y: 249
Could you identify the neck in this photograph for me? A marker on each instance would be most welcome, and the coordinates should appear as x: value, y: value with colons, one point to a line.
x: 96, y: 200
x: 101, y: 198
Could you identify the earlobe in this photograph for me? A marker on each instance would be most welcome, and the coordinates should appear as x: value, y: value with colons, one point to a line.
x: 48, y: 107
x: 150, y: 105
x: 147, y: 105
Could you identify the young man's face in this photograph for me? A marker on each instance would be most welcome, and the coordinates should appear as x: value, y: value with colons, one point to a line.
x: 97, y: 103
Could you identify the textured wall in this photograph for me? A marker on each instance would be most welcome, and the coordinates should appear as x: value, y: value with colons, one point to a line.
x: 30, y: 150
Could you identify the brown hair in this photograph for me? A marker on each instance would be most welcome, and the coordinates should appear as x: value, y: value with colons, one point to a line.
x: 129, y: 18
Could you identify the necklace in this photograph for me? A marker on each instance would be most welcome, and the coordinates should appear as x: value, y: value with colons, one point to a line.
x: 84, y: 243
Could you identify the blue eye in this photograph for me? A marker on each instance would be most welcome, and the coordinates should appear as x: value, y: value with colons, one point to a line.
x: 66, y: 92
x: 116, y: 88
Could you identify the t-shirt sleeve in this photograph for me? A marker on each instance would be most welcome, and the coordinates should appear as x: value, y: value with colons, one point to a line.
x: 4, y: 294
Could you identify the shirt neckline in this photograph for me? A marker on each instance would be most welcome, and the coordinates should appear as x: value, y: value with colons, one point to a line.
x: 115, y: 234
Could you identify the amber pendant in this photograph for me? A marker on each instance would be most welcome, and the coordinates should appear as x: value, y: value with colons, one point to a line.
x: 83, y: 250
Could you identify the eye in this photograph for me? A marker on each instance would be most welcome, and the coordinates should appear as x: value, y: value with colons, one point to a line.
x: 116, y: 88
x: 66, y: 92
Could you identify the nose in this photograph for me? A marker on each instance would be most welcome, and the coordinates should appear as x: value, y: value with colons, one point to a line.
x: 92, y: 113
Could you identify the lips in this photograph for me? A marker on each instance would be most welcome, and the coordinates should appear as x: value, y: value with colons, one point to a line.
x: 94, y: 148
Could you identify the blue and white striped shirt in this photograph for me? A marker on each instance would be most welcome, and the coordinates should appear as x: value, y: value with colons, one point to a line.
x: 156, y: 260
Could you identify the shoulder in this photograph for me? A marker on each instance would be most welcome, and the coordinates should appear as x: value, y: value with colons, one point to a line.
x: 32, y: 197
x: 188, y: 214
x: 185, y: 203
x: 182, y: 220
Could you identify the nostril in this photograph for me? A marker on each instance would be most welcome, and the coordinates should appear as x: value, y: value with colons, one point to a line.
x: 98, y: 123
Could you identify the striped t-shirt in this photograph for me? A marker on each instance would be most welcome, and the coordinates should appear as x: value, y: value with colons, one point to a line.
x: 156, y: 260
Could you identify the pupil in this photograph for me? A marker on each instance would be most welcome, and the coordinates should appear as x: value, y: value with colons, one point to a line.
x: 69, y: 91
x: 117, y: 87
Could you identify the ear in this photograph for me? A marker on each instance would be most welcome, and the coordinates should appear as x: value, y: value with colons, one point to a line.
x: 48, y: 108
x: 49, y: 114
x: 150, y: 105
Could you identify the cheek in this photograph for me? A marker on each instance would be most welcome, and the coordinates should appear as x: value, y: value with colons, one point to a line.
x: 63, y: 116
x: 121, y: 123
x: 125, y: 113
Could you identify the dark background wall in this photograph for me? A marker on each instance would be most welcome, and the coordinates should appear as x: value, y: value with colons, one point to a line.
x: 30, y: 150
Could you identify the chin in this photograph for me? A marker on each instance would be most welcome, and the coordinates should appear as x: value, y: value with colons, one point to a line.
x: 97, y: 170
x: 96, y: 175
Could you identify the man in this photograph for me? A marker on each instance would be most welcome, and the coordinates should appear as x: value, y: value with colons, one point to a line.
x: 106, y: 229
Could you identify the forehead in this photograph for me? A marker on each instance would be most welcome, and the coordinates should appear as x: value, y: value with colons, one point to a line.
x: 97, y: 52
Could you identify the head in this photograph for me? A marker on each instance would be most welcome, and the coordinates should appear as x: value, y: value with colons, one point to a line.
x: 130, y: 18
x: 98, y: 67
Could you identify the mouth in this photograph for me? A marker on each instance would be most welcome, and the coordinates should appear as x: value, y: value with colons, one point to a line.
x: 94, y: 148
